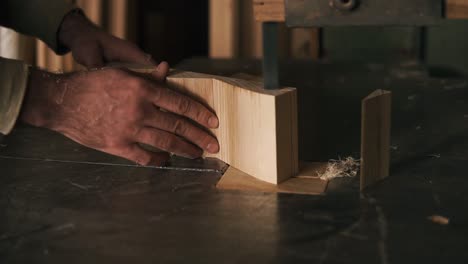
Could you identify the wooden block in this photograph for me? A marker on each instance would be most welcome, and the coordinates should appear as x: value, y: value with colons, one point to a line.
x: 258, y: 128
x: 68, y: 63
x: 273, y: 10
x: 256, y: 131
x: 224, y: 26
x: 456, y: 9
x: 250, y: 33
x: 269, y: 10
x: 54, y: 61
x: 118, y: 18
x: 305, y: 183
x: 375, y: 137
x: 41, y: 54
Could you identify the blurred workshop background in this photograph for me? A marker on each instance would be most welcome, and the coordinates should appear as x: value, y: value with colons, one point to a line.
x: 179, y: 29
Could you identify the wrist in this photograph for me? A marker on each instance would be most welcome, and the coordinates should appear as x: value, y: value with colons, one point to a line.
x: 42, y: 98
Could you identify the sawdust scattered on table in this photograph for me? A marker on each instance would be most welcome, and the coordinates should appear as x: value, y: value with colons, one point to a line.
x: 347, y: 167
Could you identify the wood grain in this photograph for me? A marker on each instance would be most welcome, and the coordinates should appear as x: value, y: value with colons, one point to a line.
x: 273, y: 10
x: 305, y: 183
x: 375, y: 137
x: 456, y: 9
x: 258, y: 128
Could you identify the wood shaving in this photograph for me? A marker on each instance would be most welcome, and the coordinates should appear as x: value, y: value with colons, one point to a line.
x: 347, y: 167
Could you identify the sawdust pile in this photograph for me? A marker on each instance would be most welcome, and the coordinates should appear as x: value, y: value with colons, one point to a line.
x: 347, y: 167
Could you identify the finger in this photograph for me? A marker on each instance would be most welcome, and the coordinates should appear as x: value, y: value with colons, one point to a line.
x: 183, y: 105
x: 167, y: 142
x: 142, y: 157
x: 182, y: 127
x: 120, y: 50
x: 161, y: 71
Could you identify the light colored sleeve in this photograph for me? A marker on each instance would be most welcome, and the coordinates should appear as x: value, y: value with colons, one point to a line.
x: 39, y: 18
x: 13, y: 81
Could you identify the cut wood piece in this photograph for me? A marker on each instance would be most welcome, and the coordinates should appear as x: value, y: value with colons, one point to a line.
x: 257, y: 128
x: 256, y: 131
x: 306, y: 182
x: 224, y: 26
x: 375, y: 137
x: 269, y: 10
x: 273, y: 10
x: 456, y: 9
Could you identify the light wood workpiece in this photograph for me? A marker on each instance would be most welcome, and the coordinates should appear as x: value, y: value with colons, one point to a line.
x: 257, y: 132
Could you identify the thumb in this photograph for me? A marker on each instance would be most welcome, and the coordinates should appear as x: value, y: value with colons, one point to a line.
x: 161, y: 71
x: 90, y: 56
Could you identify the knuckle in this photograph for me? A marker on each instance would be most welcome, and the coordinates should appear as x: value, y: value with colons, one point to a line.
x: 138, y: 115
x: 206, y: 139
x: 157, y: 94
x: 137, y: 84
x: 132, y: 45
x: 203, y: 116
x: 180, y: 127
x: 168, y: 144
x: 113, y: 142
x: 184, y: 105
x: 135, y: 90
x: 143, y: 160
x: 134, y: 131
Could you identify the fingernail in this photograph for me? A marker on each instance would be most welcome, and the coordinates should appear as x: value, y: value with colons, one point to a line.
x: 161, y: 64
x: 213, y: 147
x: 213, y: 122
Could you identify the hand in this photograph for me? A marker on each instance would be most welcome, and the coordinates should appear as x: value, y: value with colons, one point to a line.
x: 112, y: 110
x: 93, y: 47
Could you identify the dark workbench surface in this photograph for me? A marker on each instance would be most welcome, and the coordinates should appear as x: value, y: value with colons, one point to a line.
x: 63, y: 203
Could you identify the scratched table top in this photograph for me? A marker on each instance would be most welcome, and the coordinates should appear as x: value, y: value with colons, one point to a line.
x: 64, y: 203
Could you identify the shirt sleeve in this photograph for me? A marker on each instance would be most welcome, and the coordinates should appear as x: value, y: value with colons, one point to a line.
x: 39, y: 18
x: 13, y: 81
